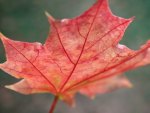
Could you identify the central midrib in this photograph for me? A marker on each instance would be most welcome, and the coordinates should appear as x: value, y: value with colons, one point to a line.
x: 75, y: 65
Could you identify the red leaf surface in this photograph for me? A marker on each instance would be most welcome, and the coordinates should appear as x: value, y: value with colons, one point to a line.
x: 82, y: 54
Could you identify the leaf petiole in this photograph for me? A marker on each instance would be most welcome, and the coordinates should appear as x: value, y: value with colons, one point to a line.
x: 52, y: 108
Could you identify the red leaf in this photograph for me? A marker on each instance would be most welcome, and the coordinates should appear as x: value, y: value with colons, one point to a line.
x: 82, y: 54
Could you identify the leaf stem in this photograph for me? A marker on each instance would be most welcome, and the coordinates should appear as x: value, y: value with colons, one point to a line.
x: 53, y: 104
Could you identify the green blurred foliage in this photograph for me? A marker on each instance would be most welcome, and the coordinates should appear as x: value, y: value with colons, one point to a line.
x: 25, y: 20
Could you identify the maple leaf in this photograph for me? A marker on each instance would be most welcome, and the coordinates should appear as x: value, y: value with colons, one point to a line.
x: 82, y: 54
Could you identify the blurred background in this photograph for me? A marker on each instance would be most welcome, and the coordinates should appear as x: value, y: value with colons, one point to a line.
x: 25, y: 20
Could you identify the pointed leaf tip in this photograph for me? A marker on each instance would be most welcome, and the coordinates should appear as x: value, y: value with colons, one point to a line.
x: 9, y: 87
x: 2, y: 37
x: 49, y: 16
x: 127, y: 84
x: 132, y: 19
